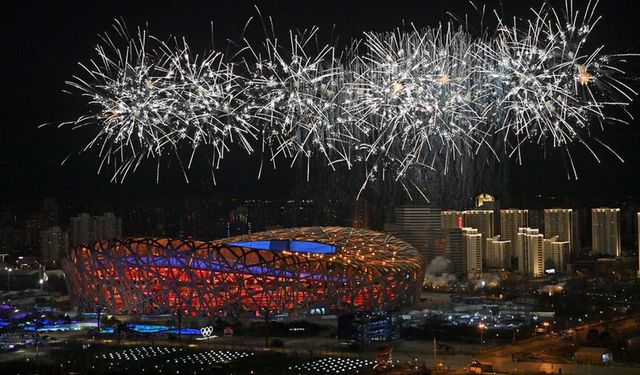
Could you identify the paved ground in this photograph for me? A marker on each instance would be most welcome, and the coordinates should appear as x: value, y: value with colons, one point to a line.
x: 404, y: 350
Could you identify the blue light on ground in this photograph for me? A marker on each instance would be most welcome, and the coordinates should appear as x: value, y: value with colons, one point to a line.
x: 150, y: 328
x: 58, y: 327
x: 147, y: 328
x: 185, y: 331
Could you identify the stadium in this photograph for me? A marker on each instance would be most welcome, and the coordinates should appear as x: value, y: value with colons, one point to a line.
x: 299, y: 271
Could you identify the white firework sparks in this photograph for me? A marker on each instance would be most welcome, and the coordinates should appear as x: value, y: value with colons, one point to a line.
x: 393, y: 107
x: 294, y: 96
x: 417, y: 98
x: 154, y: 102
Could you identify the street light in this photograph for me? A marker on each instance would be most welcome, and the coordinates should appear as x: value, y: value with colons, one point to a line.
x: 482, y: 327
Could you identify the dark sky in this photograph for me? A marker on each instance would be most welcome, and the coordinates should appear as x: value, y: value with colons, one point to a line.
x: 43, y: 40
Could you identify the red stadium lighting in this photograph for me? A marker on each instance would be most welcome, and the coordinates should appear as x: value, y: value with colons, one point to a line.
x: 303, y: 269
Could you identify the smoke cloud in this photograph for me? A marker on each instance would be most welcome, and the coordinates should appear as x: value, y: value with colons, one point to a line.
x: 438, y: 272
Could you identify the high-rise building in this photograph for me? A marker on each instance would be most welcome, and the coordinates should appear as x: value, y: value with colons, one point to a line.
x: 50, y: 210
x: 33, y: 225
x: 511, y: 221
x: 451, y: 219
x: 54, y: 243
x: 413, y: 223
x: 108, y: 226
x: 472, y: 248
x: 455, y: 252
x: 529, y: 251
x: 605, y: 231
x: 498, y: 253
x: 555, y: 253
x: 86, y: 228
x: 482, y: 220
x: 559, y: 222
x: 82, y: 230
x: 536, y: 219
x: 437, y: 243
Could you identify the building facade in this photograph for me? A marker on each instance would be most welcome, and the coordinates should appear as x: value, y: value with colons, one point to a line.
x: 560, y: 222
x: 512, y: 220
x: 451, y: 219
x: 605, y: 231
x: 472, y: 248
x: 556, y: 253
x: 54, y: 244
x: 86, y: 228
x: 498, y: 253
x: 530, y: 252
x: 413, y: 225
x: 296, y: 271
x: 482, y: 220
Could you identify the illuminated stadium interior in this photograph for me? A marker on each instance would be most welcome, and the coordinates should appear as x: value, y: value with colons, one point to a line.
x: 328, y: 269
x: 295, y: 246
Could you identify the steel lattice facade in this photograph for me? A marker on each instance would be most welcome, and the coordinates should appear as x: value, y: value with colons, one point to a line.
x: 289, y: 270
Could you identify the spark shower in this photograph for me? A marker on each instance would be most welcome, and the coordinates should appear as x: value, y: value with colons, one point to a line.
x: 393, y: 105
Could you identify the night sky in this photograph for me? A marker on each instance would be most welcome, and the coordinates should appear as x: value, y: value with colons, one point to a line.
x: 42, y: 41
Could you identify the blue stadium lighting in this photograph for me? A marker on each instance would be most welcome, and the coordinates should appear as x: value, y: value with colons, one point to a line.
x: 307, y: 247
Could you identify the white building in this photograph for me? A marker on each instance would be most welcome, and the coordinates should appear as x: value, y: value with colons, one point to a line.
x: 559, y: 222
x: 556, y: 254
x: 498, y: 253
x: 511, y: 221
x: 529, y: 251
x: 482, y: 220
x: 472, y: 248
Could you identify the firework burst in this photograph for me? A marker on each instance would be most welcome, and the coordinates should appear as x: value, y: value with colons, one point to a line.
x: 395, y: 104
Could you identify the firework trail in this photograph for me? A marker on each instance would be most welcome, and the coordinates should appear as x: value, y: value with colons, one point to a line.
x: 395, y: 105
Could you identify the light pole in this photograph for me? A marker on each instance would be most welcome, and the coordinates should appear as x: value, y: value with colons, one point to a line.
x: 8, y: 278
x: 482, y: 327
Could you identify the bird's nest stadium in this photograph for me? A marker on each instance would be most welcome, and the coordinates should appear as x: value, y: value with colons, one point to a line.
x: 295, y: 271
